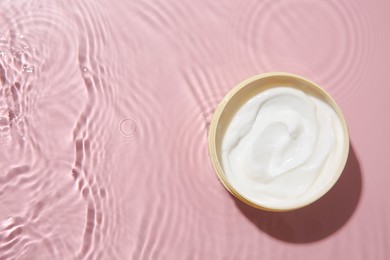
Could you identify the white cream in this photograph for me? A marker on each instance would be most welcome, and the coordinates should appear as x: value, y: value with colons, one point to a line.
x: 282, y: 147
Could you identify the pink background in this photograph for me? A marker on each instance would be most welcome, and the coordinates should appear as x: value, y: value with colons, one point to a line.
x: 109, y: 158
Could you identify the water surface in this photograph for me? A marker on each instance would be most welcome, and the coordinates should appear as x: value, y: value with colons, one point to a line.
x: 104, y: 112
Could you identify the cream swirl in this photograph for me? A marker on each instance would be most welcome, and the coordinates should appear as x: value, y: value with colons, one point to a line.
x: 279, y: 144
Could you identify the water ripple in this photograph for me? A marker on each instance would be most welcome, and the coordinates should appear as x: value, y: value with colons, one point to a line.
x: 33, y: 91
x: 105, y: 109
x: 128, y: 127
x: 89, y: 129
x: 191, y: 163
x: 327, y: 41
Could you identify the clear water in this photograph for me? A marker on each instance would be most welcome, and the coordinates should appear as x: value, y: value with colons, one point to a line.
x: 104, y: 111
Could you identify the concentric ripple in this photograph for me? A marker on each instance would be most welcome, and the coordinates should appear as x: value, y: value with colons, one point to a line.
x: 43, y: 88
x: 89, y: 131
x: 191, y: 163
x: 18, y: 62
x: 128, y: 127
x: 104, y: 115
x: 327, y: 41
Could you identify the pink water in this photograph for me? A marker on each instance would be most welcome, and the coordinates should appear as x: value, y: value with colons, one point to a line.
x: 104, y: 110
